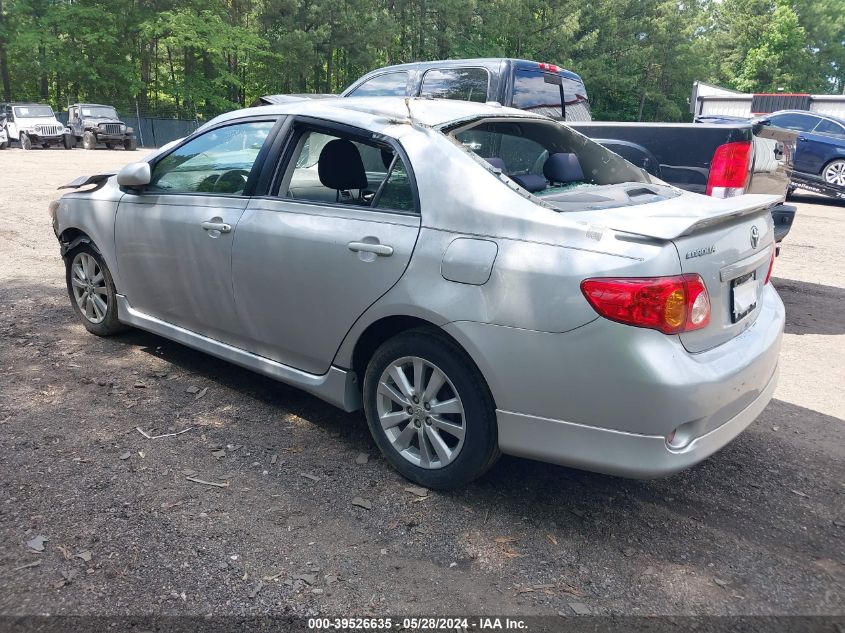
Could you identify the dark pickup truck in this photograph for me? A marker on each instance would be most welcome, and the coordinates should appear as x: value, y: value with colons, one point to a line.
x: 720, y: 160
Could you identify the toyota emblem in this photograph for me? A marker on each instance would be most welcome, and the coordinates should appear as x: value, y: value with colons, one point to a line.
x: 755, y: 237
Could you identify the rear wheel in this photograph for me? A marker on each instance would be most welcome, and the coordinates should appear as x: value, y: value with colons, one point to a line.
x: 89, y: 141
x: 429, y: 410
x: 26, y: 143
x: 92, y: 292
x: 834, y: 173
x: 130, y: 145
x: 68, y: 141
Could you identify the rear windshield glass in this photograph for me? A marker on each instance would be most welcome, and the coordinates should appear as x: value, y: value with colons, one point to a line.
x: 533, y: 91
x: 464, y: 84
x: 561, y: 167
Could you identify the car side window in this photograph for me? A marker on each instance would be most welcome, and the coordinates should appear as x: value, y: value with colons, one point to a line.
x: 830, y: 127
x: 795, y: 121
x: 218, y: 161
x: 462, y: 84
x: 332, y: 168
x: 384, y: 85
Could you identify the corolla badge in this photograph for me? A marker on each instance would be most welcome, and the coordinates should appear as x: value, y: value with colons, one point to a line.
x: 755, y: 237
x: 707, y: 250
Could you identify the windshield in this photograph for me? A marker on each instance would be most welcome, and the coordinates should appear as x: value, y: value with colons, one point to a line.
x: 538, y: 91
x: 555, y: 163
x: 99, y: 112
x: 33, y: 112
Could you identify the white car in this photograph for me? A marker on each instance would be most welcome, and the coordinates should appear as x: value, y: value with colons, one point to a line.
x: 34, y: 124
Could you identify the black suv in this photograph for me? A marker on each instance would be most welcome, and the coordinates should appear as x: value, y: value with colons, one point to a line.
x: 92, y: 123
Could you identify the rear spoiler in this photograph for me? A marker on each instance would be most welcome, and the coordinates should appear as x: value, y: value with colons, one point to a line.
x: 675, y: 217
x: 82, y: 181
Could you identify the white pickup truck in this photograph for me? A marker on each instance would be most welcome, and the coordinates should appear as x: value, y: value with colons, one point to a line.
x: 33, y: 125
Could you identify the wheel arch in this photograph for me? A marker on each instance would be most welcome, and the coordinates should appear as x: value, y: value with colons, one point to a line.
x: 72, y: 237
x: 386, y: 328
x: 838, y: 158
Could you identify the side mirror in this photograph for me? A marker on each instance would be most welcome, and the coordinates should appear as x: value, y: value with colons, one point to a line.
x: 134, y: 175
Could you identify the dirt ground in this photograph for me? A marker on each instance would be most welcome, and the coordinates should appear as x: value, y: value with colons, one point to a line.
x: 758, y: 528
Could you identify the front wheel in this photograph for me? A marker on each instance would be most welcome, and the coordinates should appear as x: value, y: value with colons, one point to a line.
x: 430, y: 411
x: 92, y: 292
x: 89, y: 141
x: 68, y: 141
x: 834, y: 173
x: 26, y: 143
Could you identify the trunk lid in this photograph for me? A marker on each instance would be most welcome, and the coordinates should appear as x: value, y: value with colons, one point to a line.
x: 728, y: 242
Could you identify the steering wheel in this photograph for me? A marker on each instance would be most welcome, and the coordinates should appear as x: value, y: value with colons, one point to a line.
x: 231, y: 181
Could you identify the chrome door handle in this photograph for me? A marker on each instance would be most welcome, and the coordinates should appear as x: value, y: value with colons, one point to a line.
x: 366, y: 247
x: 216, y: 226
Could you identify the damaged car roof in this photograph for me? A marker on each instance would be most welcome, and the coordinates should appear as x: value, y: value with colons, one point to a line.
x: 389, y: 110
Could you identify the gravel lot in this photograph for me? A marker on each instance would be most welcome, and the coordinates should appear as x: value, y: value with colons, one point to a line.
x: 757, y: 529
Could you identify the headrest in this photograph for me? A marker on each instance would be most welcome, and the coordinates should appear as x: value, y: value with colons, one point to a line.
x: 340, y: 166
x: 497, y: 162
x: 530, y: 182
x: 563, y: 167
x: 386, y: 158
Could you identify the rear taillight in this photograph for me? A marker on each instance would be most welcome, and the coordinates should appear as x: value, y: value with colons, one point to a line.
x: 669, y: 304
x: 729, y: 170
x: 771, y: 266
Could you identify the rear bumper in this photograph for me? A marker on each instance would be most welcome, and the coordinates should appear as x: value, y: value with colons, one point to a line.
x: 783, y: 216
x: 616, y: 452
x: 604, y: 396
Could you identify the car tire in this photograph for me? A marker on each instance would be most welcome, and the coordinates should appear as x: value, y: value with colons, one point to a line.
x: 26, y: 143
x: 130, y: 145
x: 448, y: 436
x: 834, y: 172
x: 109, y: 146
x: 89, y: 141
x: 3, y: 145
x: 68, y: 141
x: 91, y: 290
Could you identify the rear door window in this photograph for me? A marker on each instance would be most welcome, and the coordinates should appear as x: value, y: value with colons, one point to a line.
x: 461, y: 84
x: 534, y: 91
x: 830, y: 127
x: 353, y: 172
x: 385, y: 85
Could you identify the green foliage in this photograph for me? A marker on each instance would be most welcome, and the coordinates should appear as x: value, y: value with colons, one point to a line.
x: 196, y: 58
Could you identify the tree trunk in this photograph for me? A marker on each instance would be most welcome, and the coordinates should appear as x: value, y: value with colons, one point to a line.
x: 4, y: 60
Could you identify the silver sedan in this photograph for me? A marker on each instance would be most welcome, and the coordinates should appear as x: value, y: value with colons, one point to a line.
x: 479, y: 280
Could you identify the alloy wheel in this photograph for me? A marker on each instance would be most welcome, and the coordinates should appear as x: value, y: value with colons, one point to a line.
x: 421, y: 412
x: 835, y: 173
x: 89, y: 287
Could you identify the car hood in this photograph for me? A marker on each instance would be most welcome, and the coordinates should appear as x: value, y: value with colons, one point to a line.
x: 98, y: 120
x: 21, y: 122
